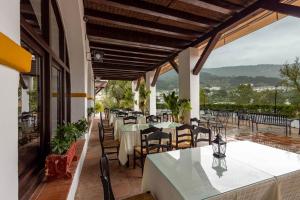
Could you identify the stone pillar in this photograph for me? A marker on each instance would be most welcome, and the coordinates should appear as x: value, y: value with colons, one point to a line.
x: 152, y: 99
x: 136, y: 106
x: 189, y: 84
x: 10, y: 26
x: 72, y: 13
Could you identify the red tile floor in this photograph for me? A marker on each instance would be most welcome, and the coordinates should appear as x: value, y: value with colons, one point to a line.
x: 127, y: 181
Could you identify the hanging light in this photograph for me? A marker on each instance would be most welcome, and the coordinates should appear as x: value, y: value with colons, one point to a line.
x: 219, y: 146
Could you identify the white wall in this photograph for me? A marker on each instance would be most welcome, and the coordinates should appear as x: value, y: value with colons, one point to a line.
x: 72, y: 17
x: 189, y: 85
x: 136, y: 96
x: 152, y: 98
x: 10, y: 26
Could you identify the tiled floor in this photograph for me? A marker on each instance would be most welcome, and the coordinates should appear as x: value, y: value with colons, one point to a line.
x: 127, y: 181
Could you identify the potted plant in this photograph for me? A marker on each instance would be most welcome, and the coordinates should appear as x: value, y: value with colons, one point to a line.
x: 178, y: 107
x: 63, y: 149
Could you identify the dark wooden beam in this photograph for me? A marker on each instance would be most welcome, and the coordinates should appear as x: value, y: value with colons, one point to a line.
x: 107, y: 40
x: 174, y: 65
x: 110, y: 19
x: 231, y: 22
x: 216, y: 5
x: 126, y: 64
x: 156, y: 75
x: 206, y: 52
x: 129, y: 50
x: 109, y: 54
x: 127, y: 37
x: 282, y: 8
x: 159, y: 11
x: 107, y: 58
x: 119, y: 67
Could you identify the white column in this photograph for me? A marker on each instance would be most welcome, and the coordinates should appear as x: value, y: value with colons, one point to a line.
x: 136, y: 96
x: 10, y: 26
x: 189, y: 84
x: 152, y: 98
x: 90, y: 86
x: 72, y: 12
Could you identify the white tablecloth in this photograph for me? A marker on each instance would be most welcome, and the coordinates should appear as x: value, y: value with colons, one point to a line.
x: 254, y: 172
x: 130, y: 137
x: 118, y: 124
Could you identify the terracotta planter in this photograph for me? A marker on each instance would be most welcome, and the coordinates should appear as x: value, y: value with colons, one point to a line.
x: 58, y: 166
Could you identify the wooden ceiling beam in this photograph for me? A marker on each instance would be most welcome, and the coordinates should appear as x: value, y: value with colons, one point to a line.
x: 282, y: 8
x: 174, y: 65
x: 119, y: 67
x: 208, y: 49
x: 129, y: 57
x: 110, y: 19
x: 139, y: 45
x: 159, y: 11
x: 231, y: 22
x: 223, y: 7
x: 156, y: 75
x: 129, y: 50
x: 107, y: 58
x: 136, y: 37
x: 126, y: 64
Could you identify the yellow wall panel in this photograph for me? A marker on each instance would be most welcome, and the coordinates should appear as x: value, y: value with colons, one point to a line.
x: 13, y: 55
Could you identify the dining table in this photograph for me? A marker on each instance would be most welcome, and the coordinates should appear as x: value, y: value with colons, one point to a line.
x: 130, y: 136
x: 250, y: 171
x: 118, y: 124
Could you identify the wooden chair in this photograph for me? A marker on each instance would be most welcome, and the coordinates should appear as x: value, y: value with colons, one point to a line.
x: 165, y: 117
x: 130, y: 120
x: 196, y: 135
x: 137, y: 113
x: 153, y: 118
x: 122, y: 114
x: 107, y: 188
x: 154, y: 142
x: 111, y: 145
x: 196, y: 122
x: 183, y: 137
x: 108, y: 130
x: 140, y: 152
x: 106, y: 113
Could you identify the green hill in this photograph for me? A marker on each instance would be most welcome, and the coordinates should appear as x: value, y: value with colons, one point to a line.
x: 227, y: 77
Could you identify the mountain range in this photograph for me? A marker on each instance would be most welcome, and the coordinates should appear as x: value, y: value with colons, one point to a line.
x: 228, y: 77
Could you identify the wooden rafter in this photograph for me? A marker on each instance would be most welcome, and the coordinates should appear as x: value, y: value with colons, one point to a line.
x: 156, y: 75
x: 174, y: 65
x: 108, y: 19
x: 118, y: 67
x: 206, y: 52
x: 282, y: 8
x: 159, y: 11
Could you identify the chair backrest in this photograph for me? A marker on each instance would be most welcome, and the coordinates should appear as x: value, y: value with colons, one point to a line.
x: 101, y: 135
x: 105, y: 178
x: 122, y: 114
x: 144, y: 133
x: 196, y: 134
x: 153, y: 118
x: 130, y: 120
x: 222, y: 117
x: 194, y: 121
x: 165, y: 117
x: 137, y: 113
x: 154, y: 142
x: 183, y: 134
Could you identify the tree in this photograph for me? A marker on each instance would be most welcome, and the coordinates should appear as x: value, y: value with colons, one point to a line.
x: 144, y: 94
x: 118, y: 94
x: 204, y: 96
x: 290, y: 73
x: 243, y: 94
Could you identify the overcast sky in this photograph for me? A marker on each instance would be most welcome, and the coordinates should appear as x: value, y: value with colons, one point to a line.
x: 277, y: 43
